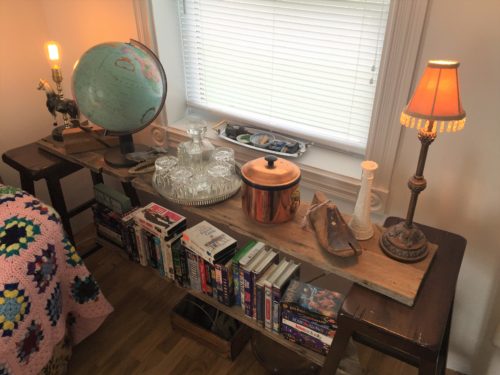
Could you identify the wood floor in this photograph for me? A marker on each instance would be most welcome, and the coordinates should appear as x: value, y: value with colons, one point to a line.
x: 137, y: 337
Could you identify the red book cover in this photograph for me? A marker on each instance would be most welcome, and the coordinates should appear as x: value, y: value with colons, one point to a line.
x: 159, y: 220
x: 203, y: 276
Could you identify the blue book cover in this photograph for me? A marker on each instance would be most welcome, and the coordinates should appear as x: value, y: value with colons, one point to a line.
x: 324, y: 329
x: 312, y: 301
x: 248, y: 285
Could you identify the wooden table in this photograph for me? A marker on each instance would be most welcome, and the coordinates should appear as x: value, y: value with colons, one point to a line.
x: 417, y: 335
x: 94, y: 161
x: 373, y: 269
x: 34, y: 164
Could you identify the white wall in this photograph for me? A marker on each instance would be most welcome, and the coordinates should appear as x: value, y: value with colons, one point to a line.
x: 25, y: 25
x: 463, y: 174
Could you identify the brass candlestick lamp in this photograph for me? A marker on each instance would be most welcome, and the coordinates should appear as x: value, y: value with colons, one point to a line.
x: 55, y: 100
x: 435, y: 106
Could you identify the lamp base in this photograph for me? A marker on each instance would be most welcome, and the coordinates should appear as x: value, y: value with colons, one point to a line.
x: 58, y: 132
x: 405, y: 244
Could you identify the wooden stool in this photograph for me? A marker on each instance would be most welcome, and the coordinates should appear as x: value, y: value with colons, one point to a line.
x: 33, y: 164
x: 417, y: 335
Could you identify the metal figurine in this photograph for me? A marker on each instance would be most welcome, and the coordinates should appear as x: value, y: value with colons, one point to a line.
x: 360, y: 223
x: 57, y: 103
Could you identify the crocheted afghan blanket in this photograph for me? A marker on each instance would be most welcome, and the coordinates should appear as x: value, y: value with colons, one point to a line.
x: 43, y: 284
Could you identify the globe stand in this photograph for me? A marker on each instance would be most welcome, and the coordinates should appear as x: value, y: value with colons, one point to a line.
x: 116, y: 156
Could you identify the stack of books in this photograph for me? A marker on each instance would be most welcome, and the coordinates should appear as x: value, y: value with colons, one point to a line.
x: 108, y: 211
x: 157, y: 232
x: 208, y: 253
x: 309, y: 315
x: 149, y: 235
x: 108, y: 224
x: 261, y: 280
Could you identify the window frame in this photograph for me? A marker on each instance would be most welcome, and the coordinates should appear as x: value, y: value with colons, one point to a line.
x: 404, y: 31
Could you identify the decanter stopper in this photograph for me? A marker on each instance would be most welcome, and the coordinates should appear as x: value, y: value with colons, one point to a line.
x: 360, y: 223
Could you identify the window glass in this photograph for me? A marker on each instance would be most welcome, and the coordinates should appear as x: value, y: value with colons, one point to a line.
x: 305, y: 67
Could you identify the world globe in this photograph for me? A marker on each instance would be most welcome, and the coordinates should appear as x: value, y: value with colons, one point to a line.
x: 121, y: 87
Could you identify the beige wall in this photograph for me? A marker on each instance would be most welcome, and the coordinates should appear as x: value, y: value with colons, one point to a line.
x: 462, y: 172
x: 25, y: 25
x: 463, y: 182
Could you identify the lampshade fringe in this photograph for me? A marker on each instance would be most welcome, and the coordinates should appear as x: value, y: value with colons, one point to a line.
x: 451, y: 126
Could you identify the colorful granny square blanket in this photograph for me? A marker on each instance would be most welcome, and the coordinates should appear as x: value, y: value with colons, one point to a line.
x: 43, y: 285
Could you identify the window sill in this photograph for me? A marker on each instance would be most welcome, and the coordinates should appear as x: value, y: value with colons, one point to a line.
x: 334, y: 173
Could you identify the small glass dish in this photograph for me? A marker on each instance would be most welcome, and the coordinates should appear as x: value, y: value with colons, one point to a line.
x: 244, y: 138
x: 262, y: 139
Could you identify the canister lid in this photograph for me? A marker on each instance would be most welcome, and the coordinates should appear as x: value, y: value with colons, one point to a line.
x: 270, y: 172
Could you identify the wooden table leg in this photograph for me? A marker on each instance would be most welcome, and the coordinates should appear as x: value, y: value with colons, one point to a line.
x: 131, y: 193
x: 428, y: 366
x: 443, y: 353
x: 96, y: 178
x: 57, y: 199
x: 27, y: 183
x: 339, y: 345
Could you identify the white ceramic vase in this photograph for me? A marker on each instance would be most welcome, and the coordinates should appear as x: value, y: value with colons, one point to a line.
x: 361, y: 224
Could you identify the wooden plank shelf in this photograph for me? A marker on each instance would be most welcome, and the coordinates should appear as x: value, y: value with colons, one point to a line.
x: 349, y: 364
x: 235, y: 312
x: 373, y: 269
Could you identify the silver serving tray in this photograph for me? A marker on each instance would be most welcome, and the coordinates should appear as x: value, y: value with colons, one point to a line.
x: 198, y: 201
x: 220, y: 128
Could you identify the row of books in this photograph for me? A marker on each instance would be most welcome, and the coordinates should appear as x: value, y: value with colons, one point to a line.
x: 309, y: 315
x: 203, y: 258
x: 149, y: 235
x: 252, y: 277
x: 208, y: 260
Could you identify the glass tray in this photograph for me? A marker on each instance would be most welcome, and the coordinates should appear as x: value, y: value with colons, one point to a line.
x: 220, y: 128
x: 199, y: 202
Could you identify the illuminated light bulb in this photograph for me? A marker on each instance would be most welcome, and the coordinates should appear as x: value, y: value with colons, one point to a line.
x: 53, y: 54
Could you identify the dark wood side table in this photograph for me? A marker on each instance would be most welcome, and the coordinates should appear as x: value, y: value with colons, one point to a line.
x: 417, y: 335
x: 34, y: 164
x: 94, y: 161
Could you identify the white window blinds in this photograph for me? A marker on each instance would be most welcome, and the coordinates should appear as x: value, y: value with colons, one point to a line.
x: 306, y: 67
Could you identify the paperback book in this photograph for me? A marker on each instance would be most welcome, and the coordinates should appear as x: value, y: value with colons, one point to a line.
x: 268, y: 293
x: 193, y: 270
x: 112, y: 199
x: 247, y: 301
x: 128, y: 234
x: 224, y: 279
x: 168, y: 248
x: 108, y: 224
x: 312, y: 301
x: 236, y: 269
x: 160, y: 221
x: 257, y: 271
x: 259, y: 292
x: 239, y: 272
x: 306, y: 337
x: 292, y: 271
x: 208, y: 242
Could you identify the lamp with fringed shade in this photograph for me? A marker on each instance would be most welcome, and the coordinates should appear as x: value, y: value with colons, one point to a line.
x: 434, y: 108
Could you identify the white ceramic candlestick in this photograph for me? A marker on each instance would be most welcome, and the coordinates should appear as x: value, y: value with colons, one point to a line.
x: 361, y: 224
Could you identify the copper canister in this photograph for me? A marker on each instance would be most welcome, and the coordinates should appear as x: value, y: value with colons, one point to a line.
x: 271, y: 192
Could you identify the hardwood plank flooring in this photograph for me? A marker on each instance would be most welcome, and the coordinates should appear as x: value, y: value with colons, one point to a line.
x: 137, y: 338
